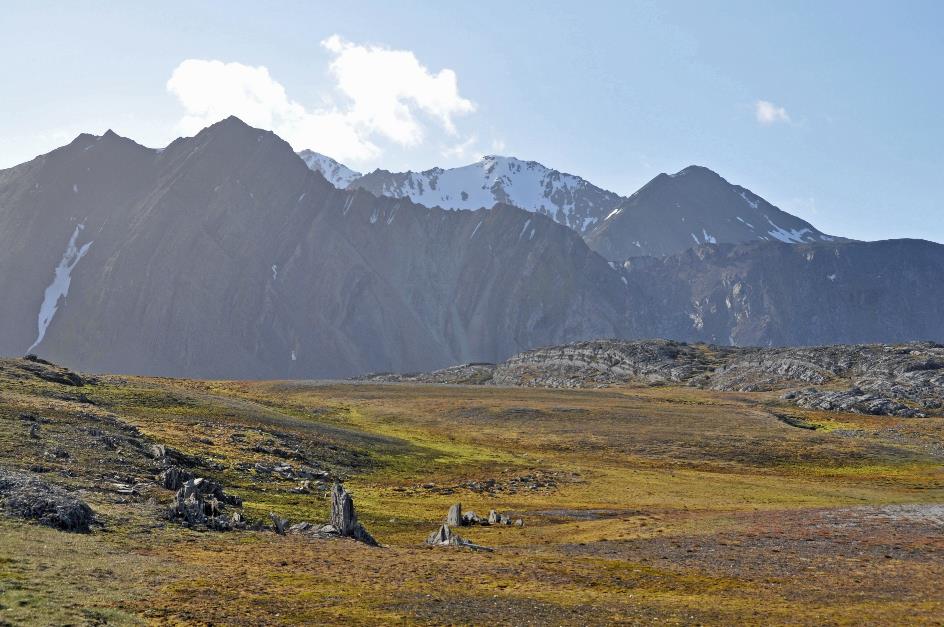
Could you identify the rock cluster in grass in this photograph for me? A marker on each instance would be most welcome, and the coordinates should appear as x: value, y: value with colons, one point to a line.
x: 343, y: 522
x: 445, y: 536
x: 25, y: 496
x: 457, y: 518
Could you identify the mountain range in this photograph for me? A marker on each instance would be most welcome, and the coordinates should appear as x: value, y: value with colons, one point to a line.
x: 229, y: 255
x: 669, y: 214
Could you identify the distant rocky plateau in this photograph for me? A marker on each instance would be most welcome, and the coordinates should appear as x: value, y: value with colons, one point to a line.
x: 904, y: 380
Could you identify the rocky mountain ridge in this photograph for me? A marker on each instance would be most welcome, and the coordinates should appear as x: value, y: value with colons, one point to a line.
x: 670, y: 214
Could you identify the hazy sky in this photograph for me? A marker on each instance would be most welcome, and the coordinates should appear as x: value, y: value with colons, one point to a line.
x: 832, y: 111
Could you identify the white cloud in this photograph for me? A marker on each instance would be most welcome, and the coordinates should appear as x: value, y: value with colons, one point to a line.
x: 461, y: 149
x: 384, y: 86
x: 386, y: 94
x: 768, y: 113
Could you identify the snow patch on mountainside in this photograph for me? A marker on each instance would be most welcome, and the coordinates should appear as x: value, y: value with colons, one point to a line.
x: 752, y: 203
x: 59, y: 288
x: 791, y: 236
x: 337, y: 174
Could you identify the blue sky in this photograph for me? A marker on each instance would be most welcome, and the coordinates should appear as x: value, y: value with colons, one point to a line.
x: 831, y: 111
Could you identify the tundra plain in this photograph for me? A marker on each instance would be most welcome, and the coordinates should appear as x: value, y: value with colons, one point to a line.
x: 640, y: 504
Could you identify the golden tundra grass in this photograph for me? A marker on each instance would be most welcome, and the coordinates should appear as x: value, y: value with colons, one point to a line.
x: 670, y: 504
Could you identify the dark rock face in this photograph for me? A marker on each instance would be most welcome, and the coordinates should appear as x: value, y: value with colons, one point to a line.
x: 674, y: 212
x: 27, y: 497
x: 223, y: 255
x: 773, y: 294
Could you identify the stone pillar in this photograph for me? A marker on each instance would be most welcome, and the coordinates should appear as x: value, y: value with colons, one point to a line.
x: 343, y: 517
x: 454, y: 518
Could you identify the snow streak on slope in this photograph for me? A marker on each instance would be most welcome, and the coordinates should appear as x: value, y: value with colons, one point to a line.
x: 59, y: 288
x: 528, y: 185
x: 337, y: 174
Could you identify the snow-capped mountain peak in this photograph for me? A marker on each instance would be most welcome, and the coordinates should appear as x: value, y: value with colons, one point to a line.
x: 337, y: 174
x: 529, y: 185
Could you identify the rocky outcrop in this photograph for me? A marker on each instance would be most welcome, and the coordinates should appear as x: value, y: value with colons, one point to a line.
x: 465, y: 374
x: 48, y: 371
x: 25, y: 496
x: 605, y: 362
x: 173, y: 478
x: 886, y: 379
x: 853, y: 400
x: 202, y: 502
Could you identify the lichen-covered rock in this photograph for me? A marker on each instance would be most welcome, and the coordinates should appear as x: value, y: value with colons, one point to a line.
x: 27, y: 497
x: 279, y: 524
x: 343, y: 517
